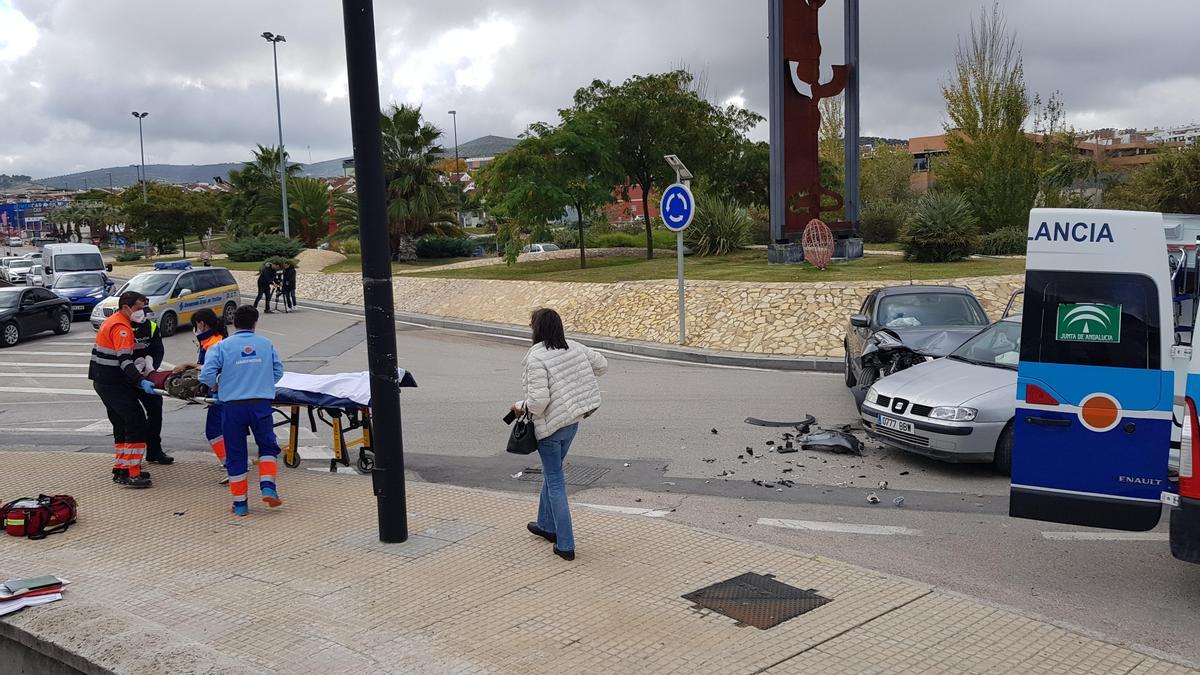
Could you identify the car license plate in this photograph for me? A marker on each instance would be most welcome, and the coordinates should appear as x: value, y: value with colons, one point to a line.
x: 898, y: 425
x: 78, y: 308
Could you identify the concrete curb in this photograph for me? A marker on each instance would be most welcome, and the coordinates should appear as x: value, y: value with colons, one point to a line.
x: 632, y: 347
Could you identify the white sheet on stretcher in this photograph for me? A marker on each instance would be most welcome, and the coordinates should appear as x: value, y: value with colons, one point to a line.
x: 352, y: 386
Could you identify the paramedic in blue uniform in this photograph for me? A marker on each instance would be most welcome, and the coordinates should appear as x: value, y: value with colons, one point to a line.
x: 247, y: 367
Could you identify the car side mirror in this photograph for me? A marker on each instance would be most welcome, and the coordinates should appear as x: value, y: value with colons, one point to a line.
x: 859, y: 321
x: 186, y: 291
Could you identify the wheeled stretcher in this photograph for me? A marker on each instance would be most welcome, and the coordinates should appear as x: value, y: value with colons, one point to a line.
x: 341, y: 401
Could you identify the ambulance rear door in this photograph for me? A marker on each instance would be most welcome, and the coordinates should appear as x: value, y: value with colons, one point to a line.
x: 1094, y: 392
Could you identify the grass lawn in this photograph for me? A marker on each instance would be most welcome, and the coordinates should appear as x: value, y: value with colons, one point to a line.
x: 892, y: 246
x: 353, y: 264
x: 741, y: 266
x: 227, y: 264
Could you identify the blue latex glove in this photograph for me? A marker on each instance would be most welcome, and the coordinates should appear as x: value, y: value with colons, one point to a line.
x: 148, y: 387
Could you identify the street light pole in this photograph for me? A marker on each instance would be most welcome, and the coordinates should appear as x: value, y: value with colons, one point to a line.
x: 458, y: 186
x: 363, y: 80
x: 142, y: 143
x: 275, y: 40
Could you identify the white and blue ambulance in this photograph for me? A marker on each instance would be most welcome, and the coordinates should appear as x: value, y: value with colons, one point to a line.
x: 1105, y: 363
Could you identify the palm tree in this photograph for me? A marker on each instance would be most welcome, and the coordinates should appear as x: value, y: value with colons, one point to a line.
x: 418, y: 196
x: 309, y: 202
x: 253, y: 208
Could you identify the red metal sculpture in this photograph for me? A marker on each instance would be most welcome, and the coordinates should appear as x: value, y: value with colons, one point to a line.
x: 802, y: 115
x: 818, y: 244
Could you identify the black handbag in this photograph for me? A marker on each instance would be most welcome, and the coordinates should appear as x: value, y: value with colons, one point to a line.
x: 521, y: 440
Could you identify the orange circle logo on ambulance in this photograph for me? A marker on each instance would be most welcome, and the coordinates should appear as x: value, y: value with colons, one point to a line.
x: 1099, y: 412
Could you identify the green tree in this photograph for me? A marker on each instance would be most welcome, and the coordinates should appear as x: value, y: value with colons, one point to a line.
x: 572, y: 164
x: 747, y: 178
x: 663, y: 114
x: 94, y: 210
x: 419, y: 200
x: 309, y: 204
x: 886, y: 175
x: 169, y: 215
x: 991, y: 161
x: 255, y: 205
x: 1168, y: 184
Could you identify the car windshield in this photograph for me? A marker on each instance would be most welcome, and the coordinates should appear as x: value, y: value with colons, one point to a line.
x: 998, y: 345
x: 8, y: 299
x: 909, y: 310
x: 151, y: 284
x: 80, y: 281
x: 20, y: 263
x: 78, y: 262
x: 549, y: 247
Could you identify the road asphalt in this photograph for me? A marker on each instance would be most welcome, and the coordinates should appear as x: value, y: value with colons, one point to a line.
x: 665, y: 435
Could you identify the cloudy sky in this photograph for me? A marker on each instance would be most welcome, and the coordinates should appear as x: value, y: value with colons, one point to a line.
x: 72, y: 70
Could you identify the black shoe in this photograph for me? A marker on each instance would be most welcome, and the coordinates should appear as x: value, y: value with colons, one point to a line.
x: 159, y: 458
x: 565, y: 555
x: 120, y: 472
x: 268, y: 312
x: 548, y: 536
x: 137, y: 482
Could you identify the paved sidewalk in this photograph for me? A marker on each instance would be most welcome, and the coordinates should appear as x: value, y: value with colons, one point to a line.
x: 165, y: 580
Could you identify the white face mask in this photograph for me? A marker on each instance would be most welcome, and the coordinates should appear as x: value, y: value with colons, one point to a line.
x: 138, y: 316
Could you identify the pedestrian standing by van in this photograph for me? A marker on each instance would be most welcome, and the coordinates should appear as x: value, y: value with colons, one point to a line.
x: 246, y: 368
x: 266, y: 277
x: 560, y: 390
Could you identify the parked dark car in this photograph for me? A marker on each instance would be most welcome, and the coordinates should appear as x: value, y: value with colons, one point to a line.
x: 29, y: 311
x: 83, y: 289
x: 901, y: 326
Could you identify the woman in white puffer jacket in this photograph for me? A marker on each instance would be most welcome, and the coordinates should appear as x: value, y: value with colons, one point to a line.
x: 560, y: 390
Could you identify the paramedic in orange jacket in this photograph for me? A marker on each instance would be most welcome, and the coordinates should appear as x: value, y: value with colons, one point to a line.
x: 117, y: 381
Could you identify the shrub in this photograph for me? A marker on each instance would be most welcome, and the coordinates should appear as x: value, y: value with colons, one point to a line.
x: 941, y: 229
x: 282, y: 260
x: 720, y: 226
x: 568, y: 237
x: 760, y: 230
x: 881, y: 221
x: 348, y: 246
x: 256, y: 249
x: 619, y: 240
x: 434, y: 246
x: 128, y: 256
x: 1005, y: 241
x: 168, y: 248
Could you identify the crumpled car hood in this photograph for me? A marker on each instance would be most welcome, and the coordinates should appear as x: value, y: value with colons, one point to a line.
x: 936, y: 341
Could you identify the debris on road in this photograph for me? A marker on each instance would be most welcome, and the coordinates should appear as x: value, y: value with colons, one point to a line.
x: 715, y: 432
x: 518, y: 474
x: 872, y: 498
x: 801, y: 426
x: 626, y: 463
x: 837, y: 442
x: 903, y: 473
x: 898, y: 501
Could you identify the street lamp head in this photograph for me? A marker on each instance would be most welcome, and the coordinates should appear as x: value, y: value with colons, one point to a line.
x: 269, y: 36
x: 139, y: 115
x: 452, y: 112
x: 279, y: 38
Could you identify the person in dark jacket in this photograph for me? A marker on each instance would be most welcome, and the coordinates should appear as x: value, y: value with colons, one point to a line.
x: 266, y: 277
x: 289, y: 285
x: 148, y: 352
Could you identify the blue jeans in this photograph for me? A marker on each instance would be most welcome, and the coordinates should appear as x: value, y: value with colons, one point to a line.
x: 553, y: 513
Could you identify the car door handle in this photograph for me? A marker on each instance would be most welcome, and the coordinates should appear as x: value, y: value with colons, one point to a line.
x: 1047, y: 421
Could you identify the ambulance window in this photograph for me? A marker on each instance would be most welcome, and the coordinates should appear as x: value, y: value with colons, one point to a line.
x: 1137, y: 342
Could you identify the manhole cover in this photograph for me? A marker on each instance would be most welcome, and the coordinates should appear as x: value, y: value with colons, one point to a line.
x: 757, y: 600
x: 577, y: 475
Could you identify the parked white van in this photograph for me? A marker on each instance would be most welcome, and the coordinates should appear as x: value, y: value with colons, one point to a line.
x: 62, y: 258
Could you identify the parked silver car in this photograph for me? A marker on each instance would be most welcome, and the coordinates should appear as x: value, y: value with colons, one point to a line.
x: 959, y: 408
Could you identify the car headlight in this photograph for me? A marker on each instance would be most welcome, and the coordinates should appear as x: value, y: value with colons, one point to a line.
x: 952, y: 414
x: 96, y: 294
x: 872, y: 394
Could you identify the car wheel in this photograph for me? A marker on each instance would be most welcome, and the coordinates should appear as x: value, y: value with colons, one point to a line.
x: 227, y: 312
x: 169, y: 324
x: 64, y: 323
x: 10, y: 335
x: 868, y: 377
x: 850, y: 381
x: 1002, y: 460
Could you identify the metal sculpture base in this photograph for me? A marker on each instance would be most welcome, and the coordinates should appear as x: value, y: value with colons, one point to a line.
x: 792, y: 253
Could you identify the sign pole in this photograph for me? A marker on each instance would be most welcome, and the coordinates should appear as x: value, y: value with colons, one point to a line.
x: 677, y: 208
x: 679, y: 257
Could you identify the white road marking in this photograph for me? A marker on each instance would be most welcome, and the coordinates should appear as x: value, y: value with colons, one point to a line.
x: 43, y: 390
x: 844, y: 528
x: 1106, y: 536
x: 630, y: 510
x: 42, y: 364
x: 15, y: 352
x: 98, y: 425
x: 77, y: 376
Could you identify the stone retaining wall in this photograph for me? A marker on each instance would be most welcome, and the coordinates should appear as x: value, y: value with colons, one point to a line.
x: 802, y: 319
